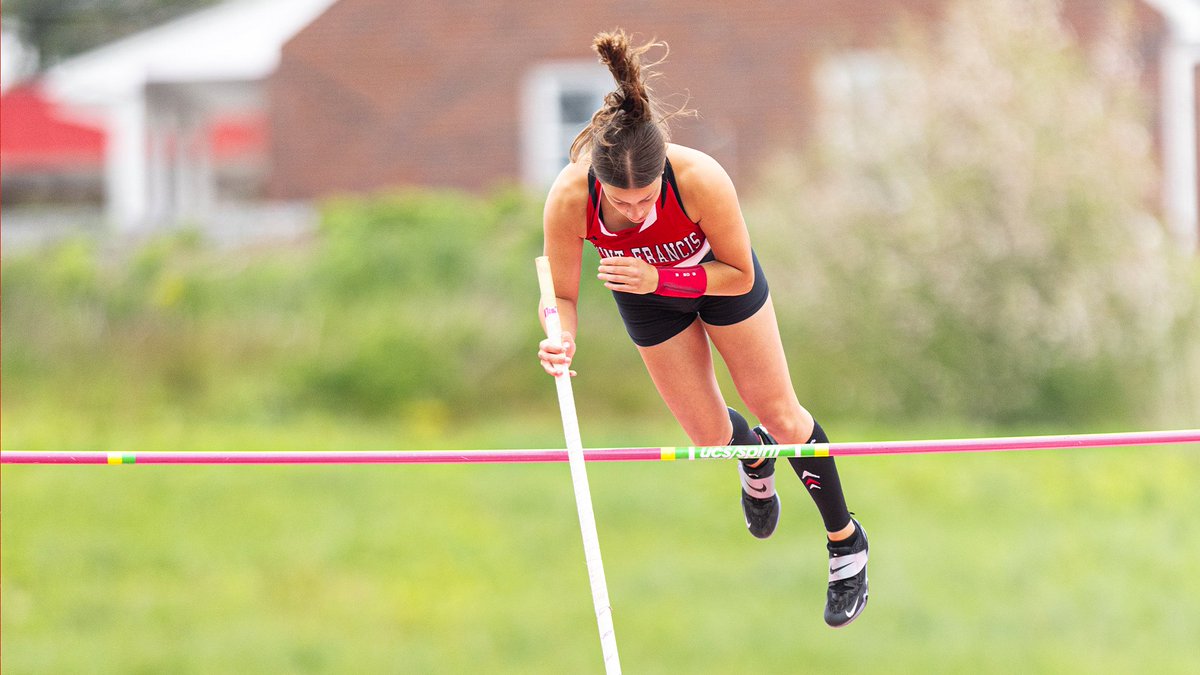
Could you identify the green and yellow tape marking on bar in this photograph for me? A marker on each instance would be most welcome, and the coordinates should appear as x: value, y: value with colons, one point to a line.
x: 122, y: 458
x: 813, y: 450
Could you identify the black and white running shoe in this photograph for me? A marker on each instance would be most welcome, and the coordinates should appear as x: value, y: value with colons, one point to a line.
x: 847, y: 579
x: 762, y: 513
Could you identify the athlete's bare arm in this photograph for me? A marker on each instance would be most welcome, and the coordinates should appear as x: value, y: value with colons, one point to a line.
x: 711, y: 201
x: 564, y: 224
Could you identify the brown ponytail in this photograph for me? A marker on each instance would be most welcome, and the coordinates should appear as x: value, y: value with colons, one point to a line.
x: 627, y: 137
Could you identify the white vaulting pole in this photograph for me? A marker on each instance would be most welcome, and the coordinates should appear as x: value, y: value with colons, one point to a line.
x: 583, y: 494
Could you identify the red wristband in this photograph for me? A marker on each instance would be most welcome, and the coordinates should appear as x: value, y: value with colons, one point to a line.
x: 682, y: 282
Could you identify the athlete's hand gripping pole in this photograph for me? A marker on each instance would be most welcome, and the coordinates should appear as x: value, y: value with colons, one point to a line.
x: 583, y: 494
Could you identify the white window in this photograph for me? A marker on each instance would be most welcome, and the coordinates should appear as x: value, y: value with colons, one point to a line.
x: 557, y: 101
x: 853, y: 89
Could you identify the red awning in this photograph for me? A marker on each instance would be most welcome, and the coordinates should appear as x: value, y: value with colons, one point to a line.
x: 36, y: 136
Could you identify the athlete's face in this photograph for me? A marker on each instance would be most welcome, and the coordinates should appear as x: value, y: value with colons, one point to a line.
x: 633, y: 203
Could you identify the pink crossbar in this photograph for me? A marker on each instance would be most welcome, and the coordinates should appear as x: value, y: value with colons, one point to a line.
x: 1141, y: 438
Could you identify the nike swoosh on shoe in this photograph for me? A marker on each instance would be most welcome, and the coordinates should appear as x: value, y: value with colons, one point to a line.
x: 850, y: 612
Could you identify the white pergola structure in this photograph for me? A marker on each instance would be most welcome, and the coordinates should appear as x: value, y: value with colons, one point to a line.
x: 156, y: 92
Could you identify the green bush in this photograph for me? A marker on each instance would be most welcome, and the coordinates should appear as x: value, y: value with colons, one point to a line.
x: 428, y: 298
x: 411, y: 307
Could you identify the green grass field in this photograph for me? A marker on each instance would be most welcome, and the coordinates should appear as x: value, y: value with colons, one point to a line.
x: 1078, y: 561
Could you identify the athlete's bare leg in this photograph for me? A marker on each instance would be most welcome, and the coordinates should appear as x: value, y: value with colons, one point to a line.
x: 753, y: 352
x: 682, y: 371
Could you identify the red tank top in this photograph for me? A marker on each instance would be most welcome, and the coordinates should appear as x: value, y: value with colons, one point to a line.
x: 667, y: 238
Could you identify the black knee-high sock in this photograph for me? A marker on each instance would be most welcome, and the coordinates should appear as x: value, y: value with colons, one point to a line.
x: 742, y: 433
x: 758, y: 481
x: 820, y: 476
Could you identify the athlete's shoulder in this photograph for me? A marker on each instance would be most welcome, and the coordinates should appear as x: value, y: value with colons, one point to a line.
x: 695, y: 168
x: 571, y: 185
x: 567, y: 199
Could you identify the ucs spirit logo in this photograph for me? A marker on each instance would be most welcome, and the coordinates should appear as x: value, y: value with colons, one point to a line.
x: 725, y: 452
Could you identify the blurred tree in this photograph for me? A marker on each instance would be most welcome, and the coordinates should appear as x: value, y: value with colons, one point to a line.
x: 982, y: 245
x: 62, y: 28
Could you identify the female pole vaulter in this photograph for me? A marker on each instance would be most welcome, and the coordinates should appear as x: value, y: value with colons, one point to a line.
x: 676, y: 255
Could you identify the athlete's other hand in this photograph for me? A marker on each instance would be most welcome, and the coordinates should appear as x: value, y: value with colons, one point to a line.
x: 628, y: 275
x: 556, y: 359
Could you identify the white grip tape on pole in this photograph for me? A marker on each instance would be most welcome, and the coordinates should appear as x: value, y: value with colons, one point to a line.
x: 583, y: 494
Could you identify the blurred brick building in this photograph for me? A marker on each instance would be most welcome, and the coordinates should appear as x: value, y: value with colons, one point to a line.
x: 377, y: 93
x: 471, y: 93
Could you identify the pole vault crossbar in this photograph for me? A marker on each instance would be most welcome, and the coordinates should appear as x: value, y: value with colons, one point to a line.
x: 1011, y: 443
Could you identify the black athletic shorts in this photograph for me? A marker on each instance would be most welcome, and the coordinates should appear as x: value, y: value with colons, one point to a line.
x: 652, y: 319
